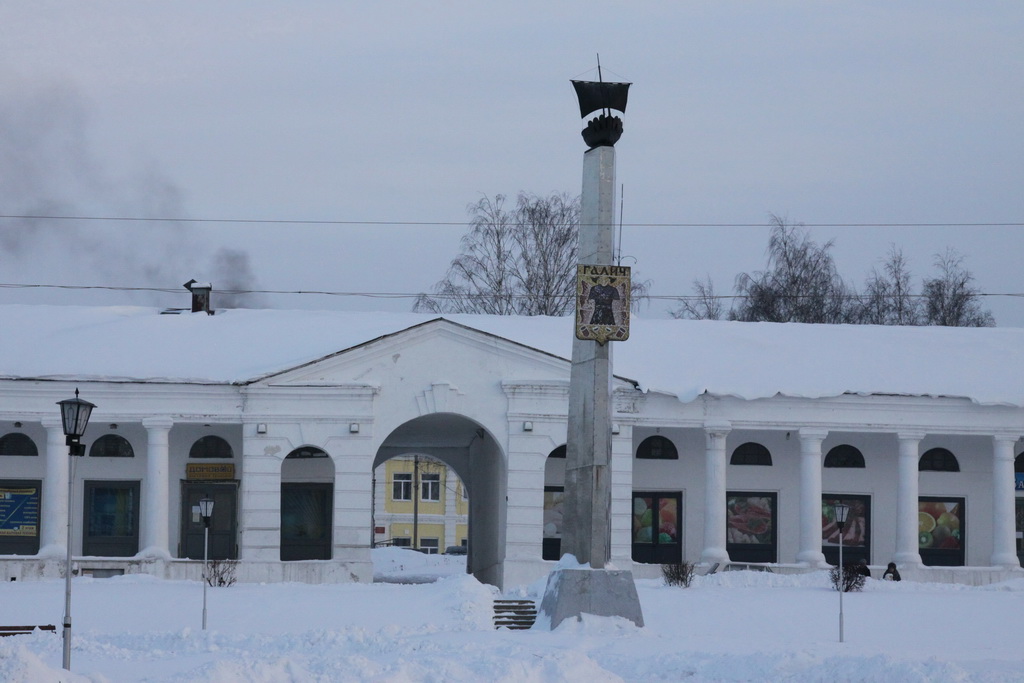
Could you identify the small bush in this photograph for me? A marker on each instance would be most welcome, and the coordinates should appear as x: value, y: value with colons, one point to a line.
x: 853, y: 580
x: 678, y: 574
x: 221, y: 573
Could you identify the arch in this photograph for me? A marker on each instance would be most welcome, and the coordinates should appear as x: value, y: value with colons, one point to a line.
x: 17, y: 443
x: 938, y: 460
x: 751, y: 453
x: 657, y: 447
x: 111, y: 446
x: 844, y: 455
x: 307, y: 505
x: 478, y: 460
x: 211, y: 446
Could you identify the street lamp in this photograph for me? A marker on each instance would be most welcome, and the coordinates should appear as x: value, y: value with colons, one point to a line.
x: 74, y: 416
x: 842, y: 511
x: 205, y: 511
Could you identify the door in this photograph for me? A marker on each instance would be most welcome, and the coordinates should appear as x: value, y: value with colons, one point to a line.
x: 223, y: 521
x: 306, y: 519
x: 111, y: 519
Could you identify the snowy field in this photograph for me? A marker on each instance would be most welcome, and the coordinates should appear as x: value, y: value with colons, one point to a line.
x: 734, y: 626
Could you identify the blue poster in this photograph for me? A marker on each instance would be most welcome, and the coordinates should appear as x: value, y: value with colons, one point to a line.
x: 19, y: 511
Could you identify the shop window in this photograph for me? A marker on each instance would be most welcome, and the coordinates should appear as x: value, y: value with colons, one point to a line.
x: 211, y: 447
x: 1018, y: 463
x: 401, y: 542
x: 657, y: 448
x: 401, y: 486
x: 558, y: 452
x: 554, y: 499
x: 17, y: 443
x: 111, y: 446
x: 751, y: 453
x: 938, y: 460
x: 19, y: 516
x: 111, y: 521
x: 844, y: 456
x: 856, y: 531
x: 656, y: 537
x: 430, y: 546
x: 751, y: 520
x: 430, y: 487
x: 306, y: 514
x: 941, y: 531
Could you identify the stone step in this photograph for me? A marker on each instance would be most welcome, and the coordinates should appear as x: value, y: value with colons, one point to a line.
x: 514, y: 614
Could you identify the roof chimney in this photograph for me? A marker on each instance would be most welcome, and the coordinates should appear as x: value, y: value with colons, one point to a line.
x: 200, y: 296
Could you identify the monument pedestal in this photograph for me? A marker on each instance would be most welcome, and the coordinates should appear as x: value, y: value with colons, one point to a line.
x: 571, y: 593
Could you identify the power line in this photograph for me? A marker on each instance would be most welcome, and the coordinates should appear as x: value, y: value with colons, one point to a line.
x: 384, y: 223
x: 416, y: 295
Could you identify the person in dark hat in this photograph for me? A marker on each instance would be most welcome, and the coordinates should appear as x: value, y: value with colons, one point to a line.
x: 891, y: 573
x: 862, y: 568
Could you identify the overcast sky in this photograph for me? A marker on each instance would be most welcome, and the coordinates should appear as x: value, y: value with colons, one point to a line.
x: 402, y: 112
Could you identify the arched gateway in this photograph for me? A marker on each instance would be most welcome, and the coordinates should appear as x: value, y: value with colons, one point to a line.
x: 478, y: 460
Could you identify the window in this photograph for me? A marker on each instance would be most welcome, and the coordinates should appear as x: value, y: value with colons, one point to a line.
x: 430, y: 487
x: 401, y: 542
x: 844, y: 456
x: 111, y: 522
x: 111, y: 446
x: 429, y: 546
x: 401, y: 486
x: 16, y: 443
x: 306, y: 514
x: 856, y: 530
x: 19, y: 516
x: 751, y: 453
x: 1018, y: 463
x: 307, y: 452
x: 751, y: 520
x: 942, y: 525
x: 938, y: 460
x: 211, y: 447
x: 657, y: 448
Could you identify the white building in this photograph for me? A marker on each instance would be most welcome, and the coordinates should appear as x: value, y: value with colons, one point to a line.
x: 730, y: 440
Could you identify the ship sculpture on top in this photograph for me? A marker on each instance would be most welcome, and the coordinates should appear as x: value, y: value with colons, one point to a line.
x: 606, y: 129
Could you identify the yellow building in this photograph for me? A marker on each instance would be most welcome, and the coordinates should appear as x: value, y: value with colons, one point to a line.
x: 420, y: 503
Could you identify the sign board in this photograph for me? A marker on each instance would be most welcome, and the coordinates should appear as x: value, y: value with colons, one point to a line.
x: 206, y: 471
x: 602, y: 303
x: 1019, y: 481
x: 19, y: 511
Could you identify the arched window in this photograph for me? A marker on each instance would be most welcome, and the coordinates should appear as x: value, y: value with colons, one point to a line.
x: 844, y: 455
x: 657, y: 448
x: 938, y: 460
x: 111, y: 446
x: 211, y: 447
x: 17, y: 443
x: 558, y: 452
x: 307, y: 452
x: 751, y: 453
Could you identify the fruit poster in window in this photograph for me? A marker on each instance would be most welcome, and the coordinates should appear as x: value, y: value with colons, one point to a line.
x: 656, y: 519
x: 940, y: 524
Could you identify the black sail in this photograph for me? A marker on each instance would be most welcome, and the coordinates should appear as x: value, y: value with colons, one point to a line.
x: 594, y: 96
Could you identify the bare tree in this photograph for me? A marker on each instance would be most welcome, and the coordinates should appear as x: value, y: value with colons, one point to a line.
x: 799, y: 284
x: 951, y: 299
x: 889, y: 298
x: 518, y: 261
x: 703, y: 305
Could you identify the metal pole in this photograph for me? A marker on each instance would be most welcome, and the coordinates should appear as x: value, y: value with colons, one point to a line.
x: 67, y: 566
x: 206, y: 548
x: 416, y: 502
x: 842, y: 582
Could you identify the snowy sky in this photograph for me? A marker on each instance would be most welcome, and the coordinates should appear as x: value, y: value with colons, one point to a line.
x: 366, y: 113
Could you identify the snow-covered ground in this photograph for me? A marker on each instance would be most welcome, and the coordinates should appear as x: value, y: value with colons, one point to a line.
x: 733, y: 626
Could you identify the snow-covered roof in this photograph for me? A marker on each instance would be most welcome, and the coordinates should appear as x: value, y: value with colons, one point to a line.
x: 681, y: 357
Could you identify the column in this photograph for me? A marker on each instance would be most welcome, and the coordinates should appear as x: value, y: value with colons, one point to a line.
x: 810, y: 497
x: 53, y: 533
x: 1004, y: 551
x: 155, y: 541
x: 906, y: 499
x: 714, y: 493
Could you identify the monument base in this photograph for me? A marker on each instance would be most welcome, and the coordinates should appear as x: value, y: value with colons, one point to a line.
x: 601, y: 592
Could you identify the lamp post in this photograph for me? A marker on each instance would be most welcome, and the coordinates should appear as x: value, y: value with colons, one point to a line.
x: 205, y: 511
x: 74, y: 416
x: 842, y: 511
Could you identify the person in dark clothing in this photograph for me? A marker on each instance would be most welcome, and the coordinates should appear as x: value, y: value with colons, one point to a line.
x: 891, y: 573
x: 862, y: 568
